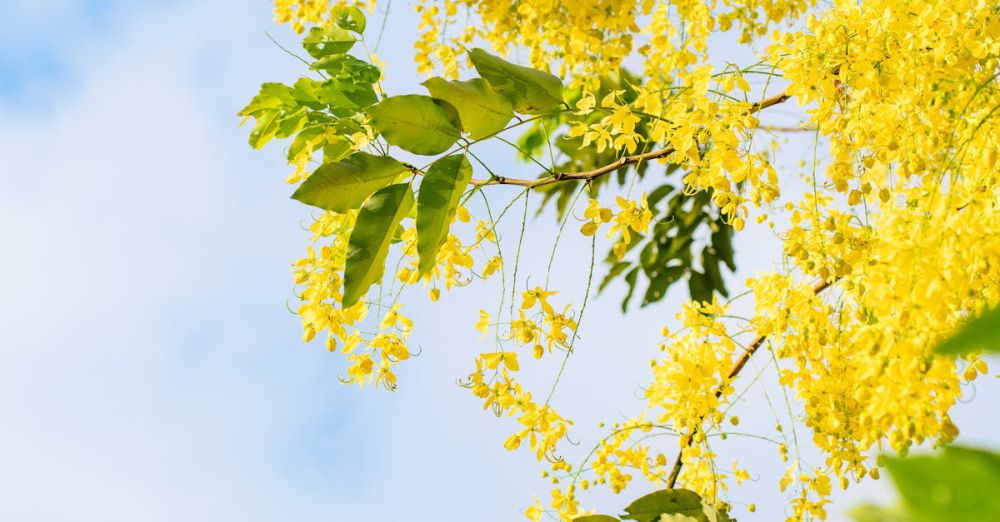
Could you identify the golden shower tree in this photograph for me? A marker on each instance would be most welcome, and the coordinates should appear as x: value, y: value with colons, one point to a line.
x: 893, y: 246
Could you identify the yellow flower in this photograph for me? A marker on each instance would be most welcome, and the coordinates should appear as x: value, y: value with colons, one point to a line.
x: 494, y: 359
x: 483, y: 323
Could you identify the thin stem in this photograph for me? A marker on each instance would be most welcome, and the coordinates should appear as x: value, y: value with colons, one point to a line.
x: 733, y: 373
x: 589, y: 175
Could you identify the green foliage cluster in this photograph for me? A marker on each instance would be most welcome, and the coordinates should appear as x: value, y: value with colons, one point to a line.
x: 689, y: 240
x: 380, y: 187
x: 956, y: 484
x: 667, y: 505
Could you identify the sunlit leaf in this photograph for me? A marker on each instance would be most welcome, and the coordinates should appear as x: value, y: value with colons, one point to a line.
x: 322, y: 41
x: 957, y: 485
x: 369, y: 242
x: 349, y: 17
x: 345, y: 185
x: 978, y: 333
x: 440, y: 191
x: 482, y: 110
x: 265, y: 127
x: 414, y: 123
x: 530, y: 91
x: 650, y: 507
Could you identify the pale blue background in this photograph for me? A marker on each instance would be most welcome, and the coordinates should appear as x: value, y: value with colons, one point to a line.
x: 149, y: 369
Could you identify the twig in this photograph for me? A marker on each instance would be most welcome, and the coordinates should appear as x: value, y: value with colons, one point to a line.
x: 589, y: 175
x: 733, y: 373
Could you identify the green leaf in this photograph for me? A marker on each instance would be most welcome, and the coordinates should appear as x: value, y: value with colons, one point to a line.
x: 350, y: 18
x: 530, y: 91
x: 979, y: 333
x: 677, y: 517
x: 710, y: 263
x: 667, y: 501
x: 337, y: 150
x: 700, y: 286
x: 437, y: 201
x: 271, y: 96
x: 265, y: 128
x: 659, y: 193
x: 371, y: 237
x: 414, y: 123
x: 957, y: 485
x: 291, y: 123
x: 345, y: 66
x: 616, y: 269
x: 345, y: 185
x: 322, y: 42
x: 482, y: 110
x: 596, y: 518
x: 722, y: 242
x: 659, y: 283
x: 873, y: 513
x: 630, y: 280
x: 337, y: 94
x: 301, y: 139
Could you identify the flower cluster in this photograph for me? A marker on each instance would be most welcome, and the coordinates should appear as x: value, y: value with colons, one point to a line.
x: 897, y: 243
x: 632, y: 217
x: 491, y: 381
x: 320, y: 274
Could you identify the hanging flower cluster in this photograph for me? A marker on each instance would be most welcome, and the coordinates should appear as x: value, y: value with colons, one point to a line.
x: 896, y: 243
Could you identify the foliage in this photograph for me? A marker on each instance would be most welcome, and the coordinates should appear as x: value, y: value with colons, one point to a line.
x: 959, y: 484
x: 891, y: 247
x: 981, y: 332
x: 672, y: 505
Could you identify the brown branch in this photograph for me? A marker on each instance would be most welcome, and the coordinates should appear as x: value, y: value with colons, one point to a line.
x: 589, y: 175
x: 733, y: 373
x: 779, y: 128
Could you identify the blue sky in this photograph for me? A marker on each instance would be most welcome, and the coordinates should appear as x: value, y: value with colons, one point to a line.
x: 149, y: 368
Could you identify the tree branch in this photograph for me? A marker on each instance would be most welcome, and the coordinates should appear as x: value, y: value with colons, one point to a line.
x: 589, y: 175
x: 733, y: 373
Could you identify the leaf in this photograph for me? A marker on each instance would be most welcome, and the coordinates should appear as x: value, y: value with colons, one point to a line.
x: 659, y: 283
x: 873, y: 513
x: 482, y: 110
x: 370, y: 239
x: 345, y: 185
x: 668, y: 501
x: 530, y: 91
x: 336, y: 150
x: 677, y: 517
x: 978, y: 333
x: 958, y: 484
x: 596, y: 518
x: 345, y: 66
x: 414, y: 123
x: 700, y: 287
x: 630, y: 280
x: 722, y: 242
x: 344, y: 96
x: 710, y: 263
x: 616, y: 269
x: 350, y: 18
x: 301, y: 139
x: 265, y: 128
x: 659, y: 193
x: 437, y: 201
x: 271, y: 96
x: 322, y: 42
x: 291, y: 123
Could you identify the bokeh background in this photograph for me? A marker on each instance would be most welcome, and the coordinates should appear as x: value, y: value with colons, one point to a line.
x: 149, y: 366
